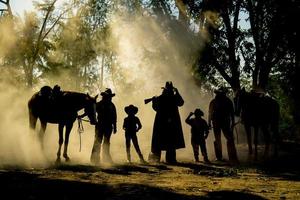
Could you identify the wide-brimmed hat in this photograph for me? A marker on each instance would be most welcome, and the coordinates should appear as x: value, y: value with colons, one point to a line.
x: 221, y: 90
x: 108, y: 92
x: 198, y: 111
x: 168, y: 86
x: 131, y: 109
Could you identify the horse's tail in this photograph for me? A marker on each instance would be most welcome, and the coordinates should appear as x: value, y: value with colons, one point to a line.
x: 32, y: 117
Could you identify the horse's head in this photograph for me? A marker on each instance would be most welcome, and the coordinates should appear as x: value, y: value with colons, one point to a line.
x: 238, y: 100
x: 90, y: 108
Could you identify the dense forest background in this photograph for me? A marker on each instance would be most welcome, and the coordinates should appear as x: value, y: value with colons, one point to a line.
x: 82, y: 45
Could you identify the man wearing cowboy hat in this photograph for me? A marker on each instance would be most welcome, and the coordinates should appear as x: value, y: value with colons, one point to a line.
x: 131, y: 126
x: 221, y: 115
x: 107, y: 119
x: 167, y: 130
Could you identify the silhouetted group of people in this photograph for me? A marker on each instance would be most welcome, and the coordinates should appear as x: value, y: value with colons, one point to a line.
x: 167, y: 132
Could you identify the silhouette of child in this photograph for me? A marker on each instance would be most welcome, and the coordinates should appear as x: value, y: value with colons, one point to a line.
x: 199, y: 131
x: 131, y: 126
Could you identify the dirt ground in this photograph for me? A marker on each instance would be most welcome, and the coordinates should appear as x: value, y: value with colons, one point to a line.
x: 275, y: 179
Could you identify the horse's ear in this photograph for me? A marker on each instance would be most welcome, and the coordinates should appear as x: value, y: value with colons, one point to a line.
x: 96, y: 97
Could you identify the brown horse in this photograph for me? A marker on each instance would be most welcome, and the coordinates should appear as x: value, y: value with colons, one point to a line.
x: 61, y: 110
x: 259, y: 112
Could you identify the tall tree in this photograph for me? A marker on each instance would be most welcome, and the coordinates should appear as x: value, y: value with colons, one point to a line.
x: 220, y: 19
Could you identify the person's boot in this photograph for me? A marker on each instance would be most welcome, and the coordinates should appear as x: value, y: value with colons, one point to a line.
x: 106, y: 154
x: 196, y: 158
x: 205, y: 158
x: 142, y: 160
x: 128, y: 155
x: 171, y: 156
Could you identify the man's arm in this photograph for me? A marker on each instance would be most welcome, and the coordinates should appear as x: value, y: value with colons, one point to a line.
x: 210, y: 112
x: 139, y: 125
x: 114, y: 112
x: 230, y: 104
x: 179, y: 98
x: 188, y: 119
x: 206, y: 129
x: 155, y: 103
x: 124, y: 124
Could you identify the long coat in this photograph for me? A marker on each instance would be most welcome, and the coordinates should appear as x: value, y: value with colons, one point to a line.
x: 167, y: 130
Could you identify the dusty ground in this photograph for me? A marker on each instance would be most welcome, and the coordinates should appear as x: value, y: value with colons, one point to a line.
x: 278, y: 179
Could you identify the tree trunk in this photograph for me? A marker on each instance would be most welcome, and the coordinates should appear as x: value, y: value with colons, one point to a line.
x: 102, y: 71
x: 182, y: 9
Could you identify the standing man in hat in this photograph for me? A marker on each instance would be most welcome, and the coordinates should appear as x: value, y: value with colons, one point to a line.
x: 107, y: 119
x: 221, y: 115
x: 167, y: 130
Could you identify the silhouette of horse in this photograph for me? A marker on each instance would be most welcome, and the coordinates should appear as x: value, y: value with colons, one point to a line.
x: 61, y: 110
x: 260, y: 112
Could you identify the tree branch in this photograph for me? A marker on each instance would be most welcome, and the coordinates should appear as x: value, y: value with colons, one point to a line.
x: 56, y: 21
x: 223, y: 73
x: 236, y: 16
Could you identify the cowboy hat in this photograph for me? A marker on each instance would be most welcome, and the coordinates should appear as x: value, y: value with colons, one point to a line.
x: 221, y: 90
x: 198, y: 111
x: 108, y: 92
x: 168, y: 86
x: 131, y: 109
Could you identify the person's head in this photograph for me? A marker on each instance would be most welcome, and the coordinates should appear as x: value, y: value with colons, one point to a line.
x: 168, y: 89
x: 107, y: 94
x: 198, y: 113
x: 56, y: 89
x: 45, y: 91
x: 222, y: 91
x: 131, y: 110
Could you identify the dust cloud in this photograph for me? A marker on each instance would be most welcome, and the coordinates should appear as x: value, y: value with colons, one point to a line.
x: 149, y: 53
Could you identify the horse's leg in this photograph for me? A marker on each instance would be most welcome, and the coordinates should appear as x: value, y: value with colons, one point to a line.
x: 60, y: 141
x: 42, y: 133
x: 267, y: 138
x: 32, y: 120
x: 275, y: 138
x: 255, y: 142
x: 67, y: 134
x: 249, y: 138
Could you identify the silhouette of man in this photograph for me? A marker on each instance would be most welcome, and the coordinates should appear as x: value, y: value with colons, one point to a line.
x: 107, y: 118
x: 167, y: 130
x: 199, y: 131
x: 56, y: 92
x: 45, y: 92
x: 131, y: 126
x: 221, y: 114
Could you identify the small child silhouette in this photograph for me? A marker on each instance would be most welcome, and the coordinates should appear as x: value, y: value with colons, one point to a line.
x: 199, y: 131
x: 131, y: 126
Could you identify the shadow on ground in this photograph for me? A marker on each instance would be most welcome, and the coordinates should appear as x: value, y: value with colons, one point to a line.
x: 120, y: 169
x: 24, y: 185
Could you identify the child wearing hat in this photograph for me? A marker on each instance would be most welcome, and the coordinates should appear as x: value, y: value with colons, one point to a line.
x: 199, y: 131
x: 131, y: 126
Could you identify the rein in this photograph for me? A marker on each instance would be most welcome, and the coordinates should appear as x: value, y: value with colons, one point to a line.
x: 80, y: 129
